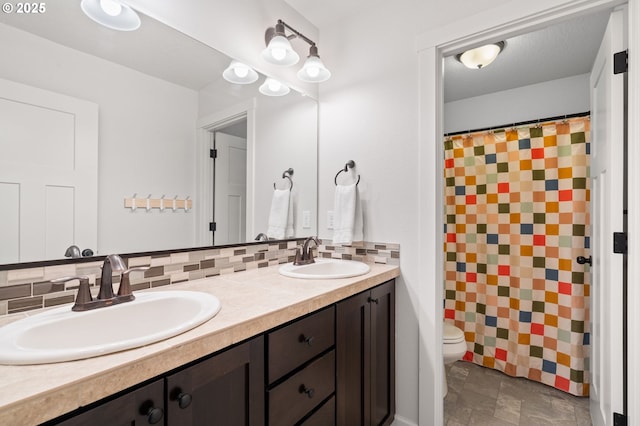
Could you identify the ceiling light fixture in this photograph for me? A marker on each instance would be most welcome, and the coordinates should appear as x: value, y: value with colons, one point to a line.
x: 112, y: 14
x: 272, y: 87
x: 280, y: 52
x: 481, y: 56
x: 239, y: 73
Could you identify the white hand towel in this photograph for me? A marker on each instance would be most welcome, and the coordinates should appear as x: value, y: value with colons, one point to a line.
x: 279, y: 214
x: 347, y: 214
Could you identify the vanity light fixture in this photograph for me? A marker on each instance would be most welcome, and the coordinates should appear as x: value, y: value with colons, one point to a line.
x: 272, y: 87
x: 112, y: 14
x: 280, y: 52
x: 313, y: 70
x: 239, y: 73
x: 481, y: 56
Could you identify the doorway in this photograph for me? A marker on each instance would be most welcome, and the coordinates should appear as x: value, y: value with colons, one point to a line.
x: 509, y: 21
x: 229, y: 155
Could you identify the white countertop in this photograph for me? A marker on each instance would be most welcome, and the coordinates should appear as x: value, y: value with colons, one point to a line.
x: 252, y: 302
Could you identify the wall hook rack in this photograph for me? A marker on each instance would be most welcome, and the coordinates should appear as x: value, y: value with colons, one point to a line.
x: 149, y: 203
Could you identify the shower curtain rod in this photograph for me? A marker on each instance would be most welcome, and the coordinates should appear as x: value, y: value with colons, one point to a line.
x: 521, y: 123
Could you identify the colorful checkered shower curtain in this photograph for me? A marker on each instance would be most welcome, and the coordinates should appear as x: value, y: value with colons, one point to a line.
x: 517, y: 216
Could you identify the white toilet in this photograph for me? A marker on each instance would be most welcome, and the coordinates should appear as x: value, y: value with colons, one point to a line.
x: 453, y: 348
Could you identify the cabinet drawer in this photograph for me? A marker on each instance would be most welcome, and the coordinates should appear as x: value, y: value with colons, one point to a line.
x: 295, y: 344
x: 325, y: 416
x: 300, y: 393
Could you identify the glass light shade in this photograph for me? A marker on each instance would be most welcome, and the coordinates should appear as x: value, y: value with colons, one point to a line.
x: 280, y: 52
x: 481, y: 56
x: 239, y: 73
x: 272, y: 87
x: 314, y: 71
x: 112, y: 14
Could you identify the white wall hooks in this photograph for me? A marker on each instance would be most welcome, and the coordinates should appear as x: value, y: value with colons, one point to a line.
x: 161, y: 203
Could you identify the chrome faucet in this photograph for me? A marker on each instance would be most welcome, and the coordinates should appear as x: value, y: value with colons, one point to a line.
x: 306, y: 256
x: 84, y: 300
x: 262, y: 237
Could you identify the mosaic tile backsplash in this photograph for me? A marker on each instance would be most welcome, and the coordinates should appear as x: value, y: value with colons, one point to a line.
x: 517, y: 215
x: 31, y: 288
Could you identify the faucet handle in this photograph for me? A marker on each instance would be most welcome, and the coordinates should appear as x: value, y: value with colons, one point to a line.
x: 83, y: 298
x: 125, y: 284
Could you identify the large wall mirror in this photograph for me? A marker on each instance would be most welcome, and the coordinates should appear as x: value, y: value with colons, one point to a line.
x: 91, y: 118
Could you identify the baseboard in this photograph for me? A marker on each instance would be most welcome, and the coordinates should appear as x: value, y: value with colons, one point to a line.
x: 401, y: 421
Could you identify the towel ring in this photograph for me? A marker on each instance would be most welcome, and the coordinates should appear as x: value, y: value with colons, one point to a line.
x: 286, y: 175
x: 350, y: 165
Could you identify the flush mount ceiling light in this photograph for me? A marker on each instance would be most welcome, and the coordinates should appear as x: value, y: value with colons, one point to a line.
x: 239, y: 73
x: 481, y: 56
x: 272, y: 87
x: 112, y: 14
x: 280, y: 52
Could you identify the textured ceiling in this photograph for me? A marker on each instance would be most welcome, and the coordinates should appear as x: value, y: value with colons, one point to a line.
x: 562, y: 50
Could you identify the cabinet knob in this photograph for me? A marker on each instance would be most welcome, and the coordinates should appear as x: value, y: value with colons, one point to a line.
x: 309, y: 391
x: 154, y: 415
x: 308, y: 340
x: 372, y: 300
x: 151, y: 412
x: 183, y: 398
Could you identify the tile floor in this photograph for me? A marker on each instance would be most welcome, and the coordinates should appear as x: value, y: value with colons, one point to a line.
x: 482, y: 396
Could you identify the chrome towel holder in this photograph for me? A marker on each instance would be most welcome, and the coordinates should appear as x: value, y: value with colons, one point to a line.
x: 286, y: 175
x: 350, y: 165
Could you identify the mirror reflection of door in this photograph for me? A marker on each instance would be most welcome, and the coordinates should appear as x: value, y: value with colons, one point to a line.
x: 229, y: 182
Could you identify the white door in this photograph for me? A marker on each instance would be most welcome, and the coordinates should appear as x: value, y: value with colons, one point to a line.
x: 230, y: 206
x: 607, y: 217
x: 48, y: 173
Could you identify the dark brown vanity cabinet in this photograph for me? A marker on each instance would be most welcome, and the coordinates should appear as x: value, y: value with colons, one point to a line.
x: 226, y: 389
x: 333, y: 366
x: 365, y: 358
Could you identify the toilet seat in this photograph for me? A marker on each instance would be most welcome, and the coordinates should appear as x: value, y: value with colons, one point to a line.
x: 452, y: 334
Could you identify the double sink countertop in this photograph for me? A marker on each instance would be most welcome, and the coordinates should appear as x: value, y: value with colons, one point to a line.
x: 253, y: 302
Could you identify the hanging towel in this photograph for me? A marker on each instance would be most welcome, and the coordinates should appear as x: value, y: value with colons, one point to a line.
x: 347, y: 215
x: 281, y: 215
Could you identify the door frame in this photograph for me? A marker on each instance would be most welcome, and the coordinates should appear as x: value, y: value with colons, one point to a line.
x: 204, y: 167
x: 508, y: 20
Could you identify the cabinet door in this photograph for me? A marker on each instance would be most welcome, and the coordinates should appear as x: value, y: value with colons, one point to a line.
x: 383, y: 359
x: 365, y: 358
x: 227, y: 389
x: 143, y: 406
x: 353, y: 393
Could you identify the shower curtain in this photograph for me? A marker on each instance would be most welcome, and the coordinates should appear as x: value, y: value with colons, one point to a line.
x: 517, y: 216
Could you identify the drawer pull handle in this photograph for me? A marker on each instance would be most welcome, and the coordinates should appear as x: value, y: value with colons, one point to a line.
x: 309, y: 391
x: 372, y: 300
x: 308, y: 340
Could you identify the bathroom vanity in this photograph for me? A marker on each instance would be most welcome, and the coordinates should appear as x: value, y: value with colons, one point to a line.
x: 281, y: 351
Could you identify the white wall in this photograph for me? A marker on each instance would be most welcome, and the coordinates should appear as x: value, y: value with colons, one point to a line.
x: 146, y: 137
x: 549, y: 99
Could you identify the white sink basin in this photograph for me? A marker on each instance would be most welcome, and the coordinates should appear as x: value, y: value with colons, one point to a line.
x: 325, y: 269
x: 63, y: 335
